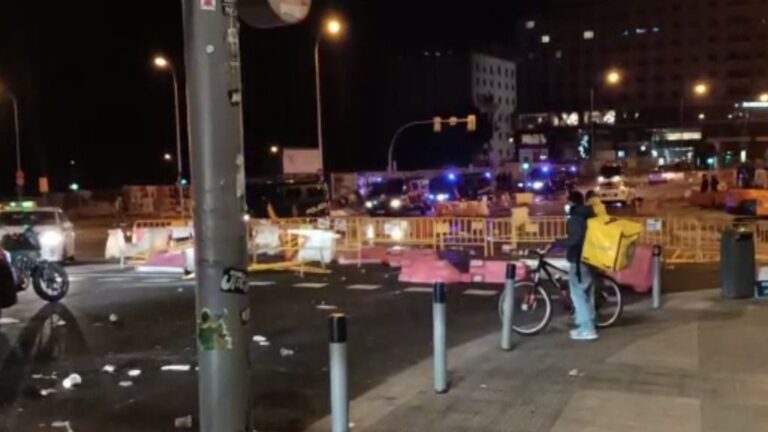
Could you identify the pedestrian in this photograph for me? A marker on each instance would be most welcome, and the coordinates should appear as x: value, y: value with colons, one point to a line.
x: 596, y: 203
x: 714, y: 183
x: 579, y: 274
x: 704, y: 183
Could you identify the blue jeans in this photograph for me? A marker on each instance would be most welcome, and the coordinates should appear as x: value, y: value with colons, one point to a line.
x: 583, y: 303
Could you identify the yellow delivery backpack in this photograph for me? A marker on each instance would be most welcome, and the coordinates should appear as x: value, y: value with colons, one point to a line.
x: 610, y: 243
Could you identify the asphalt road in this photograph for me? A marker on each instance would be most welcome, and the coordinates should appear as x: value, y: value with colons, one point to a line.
x: 390, y: 330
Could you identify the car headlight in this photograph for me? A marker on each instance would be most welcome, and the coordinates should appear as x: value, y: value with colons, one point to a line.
x: 442, y: 197
x: 601, y: 179
x: 369, y: 204
x: 51, y: 238
x: 538, y: 185
x: 396, y: 203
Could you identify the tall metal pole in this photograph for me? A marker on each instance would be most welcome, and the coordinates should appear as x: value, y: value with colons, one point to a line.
x: 215, y: 122
x: 391, y: 152
x: 592, y: 122
x: 319, y: 102
x: 682, y: 110
x: 19, y: 188
x: 179, y: 166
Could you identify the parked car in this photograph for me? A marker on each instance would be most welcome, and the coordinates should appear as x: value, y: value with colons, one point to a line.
x: 301, y: 196
x: 54, y: 229
x: 616, y: 192
x: 398, y: 196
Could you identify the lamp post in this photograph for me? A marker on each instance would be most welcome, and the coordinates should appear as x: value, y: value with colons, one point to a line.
x: 612, y: 79
x: 699, y: 89
x: 19, y: 172
x: 332, y: 27
x: 165, y: 64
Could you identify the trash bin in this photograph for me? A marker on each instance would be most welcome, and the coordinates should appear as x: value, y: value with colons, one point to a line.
x: 737, y: 264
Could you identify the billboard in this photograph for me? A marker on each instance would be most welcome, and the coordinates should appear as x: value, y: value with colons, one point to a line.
x: 304, y: 161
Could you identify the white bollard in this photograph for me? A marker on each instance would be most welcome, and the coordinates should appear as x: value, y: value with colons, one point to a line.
x: 657, y: 269
x: 339, y: 375
x: 508, y: 308
x: 438, y: 338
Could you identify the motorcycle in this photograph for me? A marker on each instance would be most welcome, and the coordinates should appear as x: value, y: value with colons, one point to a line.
x: 22, y: 251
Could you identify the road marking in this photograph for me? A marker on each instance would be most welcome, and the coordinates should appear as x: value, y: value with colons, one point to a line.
x: 158, y: 281
x: 113, y: 279
x: 418, y: 290
x: 260, y: 283
x: 76, y: 279
x: 481, y: 293
x: 364, y: 287
x: 310, y: 285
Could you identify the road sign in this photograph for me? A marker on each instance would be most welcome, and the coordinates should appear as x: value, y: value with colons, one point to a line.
x: 209, y: 5
x: 20, y: 178
x: 273, y: 13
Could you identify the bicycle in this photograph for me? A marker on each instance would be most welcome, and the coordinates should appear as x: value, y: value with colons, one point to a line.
x: 533, y: 302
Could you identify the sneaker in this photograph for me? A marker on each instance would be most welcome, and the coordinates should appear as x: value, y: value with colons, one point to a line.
x: 584, y: 335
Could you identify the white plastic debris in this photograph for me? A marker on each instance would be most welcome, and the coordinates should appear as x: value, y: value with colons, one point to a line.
x: 180, y: 290
x: 125, y: 384
x: 177, y: 368
x: 264, y: 344
x: 108, y: 369
x: 351, y: 425
x: 183, y: 422
x: 483, y: 386
x: 72, y: 381
x: 44, y: 377
x: 59, y: 323
x: 9, y: 321
x: 62, y: 425
x: 46, y: 392
x: 285, y: 352
x: 133, y: 373
x: 113, y: 318
x: 574, y: 373
x: 326, y: 307
x: 259, y: 339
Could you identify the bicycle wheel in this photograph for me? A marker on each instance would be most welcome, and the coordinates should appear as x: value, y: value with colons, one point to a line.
x: 533, y: 309
x: 609, y: 303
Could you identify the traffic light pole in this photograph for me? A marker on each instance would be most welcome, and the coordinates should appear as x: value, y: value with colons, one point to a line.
x: 213, y: 71
x: 437, y: 123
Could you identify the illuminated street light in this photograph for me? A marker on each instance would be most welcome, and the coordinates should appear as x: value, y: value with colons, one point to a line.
x: 167, y: 157
x: 332, y: 27
x: 763, y: 97
x: 702, y: 116
x: 613, y: 77
x: 19, y: 171
x: 274, y: 149
x: 701, y: 89
x: 161, y: 62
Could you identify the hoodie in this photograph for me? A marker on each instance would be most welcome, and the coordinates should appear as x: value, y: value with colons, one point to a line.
x: 577, y: 231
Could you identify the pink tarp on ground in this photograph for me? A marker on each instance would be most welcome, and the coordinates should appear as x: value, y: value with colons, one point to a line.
x: 428, y: 270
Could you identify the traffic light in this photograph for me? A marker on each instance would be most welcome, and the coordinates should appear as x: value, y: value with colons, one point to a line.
x: 472, y: 123
x: 437, y: 124
x: 453, y: 121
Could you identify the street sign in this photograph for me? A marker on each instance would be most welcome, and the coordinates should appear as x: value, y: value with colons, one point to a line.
x: 209, y: 5
x: 273, y: 13
x: 20, y: 178
x: 653, y: 225
x: 42, y: 183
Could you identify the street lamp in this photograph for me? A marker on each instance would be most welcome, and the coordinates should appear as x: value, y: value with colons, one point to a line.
x: 164, y: 64
x: 613, y: 78
x: 333, y: 27
x: 19, y: 172
x: 274, y: 149
x: 167, y: 157
x: 763, y: 97
x: 699, y: 89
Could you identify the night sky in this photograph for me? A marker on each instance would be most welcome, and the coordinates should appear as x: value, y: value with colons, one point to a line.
x: 89, y: 94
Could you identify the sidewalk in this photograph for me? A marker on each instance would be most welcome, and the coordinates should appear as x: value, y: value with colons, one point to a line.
x: 700, y: 365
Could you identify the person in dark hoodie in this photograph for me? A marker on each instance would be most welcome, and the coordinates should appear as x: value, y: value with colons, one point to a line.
x: 579, y: 274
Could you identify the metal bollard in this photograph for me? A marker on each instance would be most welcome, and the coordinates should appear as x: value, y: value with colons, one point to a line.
x: 508, y: 307
x: 337, y: 324
x: 438, y: 338
x: 657, y: 277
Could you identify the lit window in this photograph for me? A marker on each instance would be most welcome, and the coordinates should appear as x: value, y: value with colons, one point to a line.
x: 589, y: 34
x: 545, y: 39
x: 530, y: 24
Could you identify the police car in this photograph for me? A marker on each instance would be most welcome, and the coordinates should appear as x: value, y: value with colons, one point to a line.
x: 616, y: 191
x: 55, y: 232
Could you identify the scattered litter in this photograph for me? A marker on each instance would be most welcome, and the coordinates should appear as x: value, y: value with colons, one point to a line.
x: 98, y: 324
x: 285, y: 352
x: 72, y: 381
x: 180, y: 290
x: 351, y: 425
x: 59, y: 323
x: 133, y: 373
x: 9, y: 321
x: 62, y: 425
x: 45, y: 377
x: 576, y: 373
x: 113, y: 318
x: 176, y: 368
x: 265, y: 344
x: 324, y: 306
x: 46, y: 392
x: 362, y: 271
x: 259, y: 339
x: 483, y: 386
x: 183, y: 422
x: 108, y: 369
x: 125, y: 384
x: 343, y: 278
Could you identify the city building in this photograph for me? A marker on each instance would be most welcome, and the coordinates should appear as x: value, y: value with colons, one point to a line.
x: 654, y: 64
x: 494, y: 93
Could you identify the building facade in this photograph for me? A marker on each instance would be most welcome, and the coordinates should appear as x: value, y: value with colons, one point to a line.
x: 494, y: 93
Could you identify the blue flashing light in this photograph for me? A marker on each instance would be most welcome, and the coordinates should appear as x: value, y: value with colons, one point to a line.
x: 573, y: 169
x: 451, y: 177
x: 488, y: 175
x: 545, y: 169
x: 526, y: 166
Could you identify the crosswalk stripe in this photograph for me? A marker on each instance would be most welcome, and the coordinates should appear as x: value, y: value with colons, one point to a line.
x: 310, y: 285
x: 364, y: 287
x: 418, y: 290
x: 481, y: 293
x: 260, y: 283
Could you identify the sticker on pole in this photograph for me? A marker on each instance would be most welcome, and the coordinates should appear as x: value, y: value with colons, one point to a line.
x: 653, y: 225
x: 229, y: 8
x: 234, y: 281
x: 209, y: 5
x: 212, y: 333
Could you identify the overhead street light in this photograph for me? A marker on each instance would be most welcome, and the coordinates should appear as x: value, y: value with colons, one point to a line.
x: 162, y: 63
x: 763, y: 97
x: 332, y: 27
x: 19, y: 171
x: 701, y: 89
x: 274, y: 149
x: 613, y: 77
